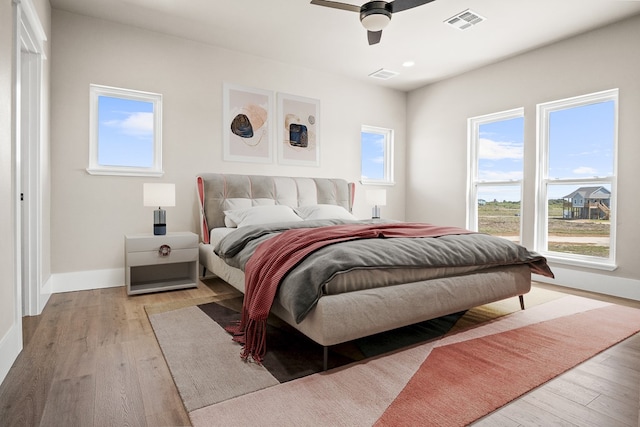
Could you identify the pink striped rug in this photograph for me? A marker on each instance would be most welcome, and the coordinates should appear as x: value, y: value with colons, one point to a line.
x: 452, y: 381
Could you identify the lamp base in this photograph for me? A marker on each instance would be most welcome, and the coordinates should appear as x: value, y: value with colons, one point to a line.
x: 375, y: 212
x: 159, y: 222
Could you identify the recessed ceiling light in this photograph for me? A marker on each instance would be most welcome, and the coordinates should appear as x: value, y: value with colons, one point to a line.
x: 408, y: 64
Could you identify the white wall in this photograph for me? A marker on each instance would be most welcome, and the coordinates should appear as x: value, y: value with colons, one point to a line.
x: 91, y: 214
x: 437, y: 149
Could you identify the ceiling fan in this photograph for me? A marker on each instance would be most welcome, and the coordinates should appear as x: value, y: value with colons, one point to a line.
x: 374, y: 15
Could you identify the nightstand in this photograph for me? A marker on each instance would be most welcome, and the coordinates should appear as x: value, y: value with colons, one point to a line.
x: 160, y: 263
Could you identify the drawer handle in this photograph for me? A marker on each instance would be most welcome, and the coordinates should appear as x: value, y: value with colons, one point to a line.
x: 164, y: 250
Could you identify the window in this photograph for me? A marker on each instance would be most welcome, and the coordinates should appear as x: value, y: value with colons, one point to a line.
x: 577, y: 145
x: 496, y: 143
x: 125, y: 132
x: 377, y: 155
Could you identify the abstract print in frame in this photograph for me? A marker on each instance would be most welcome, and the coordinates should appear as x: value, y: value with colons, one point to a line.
x: 298, y: 130
x: 247, y: 124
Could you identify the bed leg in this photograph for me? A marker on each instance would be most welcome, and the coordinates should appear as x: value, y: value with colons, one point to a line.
x: 521, y: 298
x: 204, y: 271
x: 325, y: 357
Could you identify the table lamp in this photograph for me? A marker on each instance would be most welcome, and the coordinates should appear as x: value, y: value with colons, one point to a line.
x: 159, y: 195
x: 376, y: 198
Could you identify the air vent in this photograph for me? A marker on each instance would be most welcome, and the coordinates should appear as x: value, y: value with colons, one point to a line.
x: 465, y: 20
x: 383, y: 74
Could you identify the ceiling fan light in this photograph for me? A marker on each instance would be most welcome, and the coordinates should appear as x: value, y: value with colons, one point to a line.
x: 375, y: 15
x: 375, y: 21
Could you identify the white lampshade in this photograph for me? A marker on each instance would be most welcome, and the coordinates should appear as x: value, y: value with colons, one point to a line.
x: 377, y: 197
x: 375, y: 21
x: 157, y: 195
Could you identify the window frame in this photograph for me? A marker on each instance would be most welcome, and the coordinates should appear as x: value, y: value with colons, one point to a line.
x: 473, y: 183
x: 95, y: 91
x: 388, y: 155
x: 543, y: 111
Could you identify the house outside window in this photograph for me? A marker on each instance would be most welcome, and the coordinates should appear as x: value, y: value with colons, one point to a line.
x: 376, y: 151
x: 496, y: 143
x: 125, y: 132
x: 577, y: 148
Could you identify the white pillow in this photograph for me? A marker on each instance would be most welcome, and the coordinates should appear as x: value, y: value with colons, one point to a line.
x: 324, y: 212
x: 256, y: 215
x: 228, y: 222
x: 242, y: 203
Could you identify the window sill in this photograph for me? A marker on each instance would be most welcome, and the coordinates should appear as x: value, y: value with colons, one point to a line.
x: 586, y: 263
x: 124, y: 172
x: 386, y: 183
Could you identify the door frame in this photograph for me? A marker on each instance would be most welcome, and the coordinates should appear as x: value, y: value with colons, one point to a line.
x: 28, y: 102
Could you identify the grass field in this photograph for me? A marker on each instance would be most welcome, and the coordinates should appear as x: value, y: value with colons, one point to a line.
x: 567, y: 236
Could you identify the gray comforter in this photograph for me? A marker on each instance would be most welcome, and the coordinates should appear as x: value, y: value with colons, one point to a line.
x: 303, y: 286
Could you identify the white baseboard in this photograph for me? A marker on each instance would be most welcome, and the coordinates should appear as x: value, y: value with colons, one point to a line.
x: 593, y: 282
x: 45, y: 294
x: 84, y: 280
x: 10, y: 348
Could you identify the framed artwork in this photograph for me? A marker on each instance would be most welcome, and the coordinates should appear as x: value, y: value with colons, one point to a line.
x: 247, y: 124
x: 298, y: 126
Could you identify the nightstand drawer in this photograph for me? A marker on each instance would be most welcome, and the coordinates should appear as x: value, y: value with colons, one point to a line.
x: 152, y: 243
x: 154, y: 257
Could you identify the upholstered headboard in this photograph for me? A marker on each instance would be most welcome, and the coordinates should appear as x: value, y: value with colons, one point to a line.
x: 219, y: 192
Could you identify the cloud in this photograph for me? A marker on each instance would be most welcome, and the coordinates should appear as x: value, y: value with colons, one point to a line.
x: 138, y: 124
x: 585, y: 153
x: 498, y: 150
x: 377, y: 160
x: 585, y: 170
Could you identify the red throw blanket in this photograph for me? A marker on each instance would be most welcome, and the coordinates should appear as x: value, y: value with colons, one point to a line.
x: 275, y: 257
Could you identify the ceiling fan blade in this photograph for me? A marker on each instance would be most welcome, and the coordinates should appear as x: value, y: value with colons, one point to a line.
x: 336, y: 5
x: 374, y: 37
x: 400, y: 5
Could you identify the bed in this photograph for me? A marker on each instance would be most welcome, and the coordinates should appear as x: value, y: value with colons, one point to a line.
x: 350, y: 304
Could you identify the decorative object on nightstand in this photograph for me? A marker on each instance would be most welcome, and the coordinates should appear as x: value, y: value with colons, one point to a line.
x: 159, y: 195
x: 376, y: 198
x: 160, y: 263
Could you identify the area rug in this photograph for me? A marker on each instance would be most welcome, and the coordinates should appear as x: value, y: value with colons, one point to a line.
x: 452, y: 380
x: 291, y: 355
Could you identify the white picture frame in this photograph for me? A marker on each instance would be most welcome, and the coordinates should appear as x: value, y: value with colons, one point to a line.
x: 298, y: 136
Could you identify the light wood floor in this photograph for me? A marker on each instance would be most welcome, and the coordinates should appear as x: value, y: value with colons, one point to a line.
x: 91, y: 359
x: 601, y: 392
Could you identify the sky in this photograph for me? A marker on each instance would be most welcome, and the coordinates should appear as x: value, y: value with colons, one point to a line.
x: 125, y: 132
x: 372, y: 155
x: 580, y: 146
